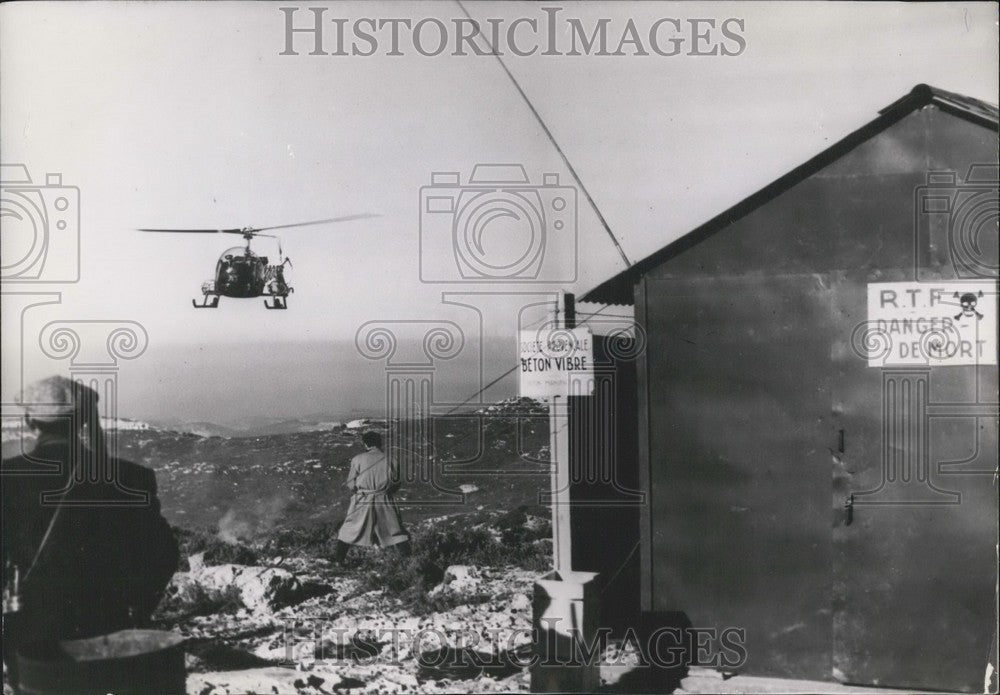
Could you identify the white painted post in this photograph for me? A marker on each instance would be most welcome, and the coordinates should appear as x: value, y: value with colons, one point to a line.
x: 566, y: 605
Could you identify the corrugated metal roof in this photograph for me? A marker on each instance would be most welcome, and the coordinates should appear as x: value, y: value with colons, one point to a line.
x: 618, y: 289
x: 967, y: 107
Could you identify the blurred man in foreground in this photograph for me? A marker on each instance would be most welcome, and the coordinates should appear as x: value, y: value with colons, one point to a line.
x: 85, y: 549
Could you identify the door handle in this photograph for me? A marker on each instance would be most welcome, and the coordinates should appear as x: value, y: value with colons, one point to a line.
x: 840, y: 441
x: 849, y: 506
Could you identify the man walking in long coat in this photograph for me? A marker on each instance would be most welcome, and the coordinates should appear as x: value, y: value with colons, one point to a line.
x: 372, y: 517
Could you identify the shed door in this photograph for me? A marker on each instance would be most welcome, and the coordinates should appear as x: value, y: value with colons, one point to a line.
x: 914, y: 556
x: 738, y: 402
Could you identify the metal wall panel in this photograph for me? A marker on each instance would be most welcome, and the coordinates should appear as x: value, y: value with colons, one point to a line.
x: 748, y: 382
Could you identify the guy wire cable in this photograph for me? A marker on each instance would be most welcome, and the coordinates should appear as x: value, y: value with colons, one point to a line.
x: 548, y: 133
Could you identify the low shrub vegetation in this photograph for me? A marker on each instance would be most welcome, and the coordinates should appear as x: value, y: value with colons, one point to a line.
x: 493, y: 542
x: 216, y: 550
x: 484, y: 539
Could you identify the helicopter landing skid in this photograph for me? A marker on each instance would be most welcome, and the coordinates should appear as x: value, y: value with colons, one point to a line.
x: 207, y: 302
x: 279, y: 303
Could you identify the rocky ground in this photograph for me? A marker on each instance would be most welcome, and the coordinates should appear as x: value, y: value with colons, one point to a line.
x: 303, y: 625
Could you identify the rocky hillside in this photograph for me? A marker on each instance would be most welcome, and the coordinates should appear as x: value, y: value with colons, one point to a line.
x: 496, y: 459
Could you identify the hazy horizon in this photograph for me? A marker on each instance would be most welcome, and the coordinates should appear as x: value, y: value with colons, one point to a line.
x: 232, y: 383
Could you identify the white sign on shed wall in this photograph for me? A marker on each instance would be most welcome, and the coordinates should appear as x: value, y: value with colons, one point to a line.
x: 556, y: 362
x: 947, y: 323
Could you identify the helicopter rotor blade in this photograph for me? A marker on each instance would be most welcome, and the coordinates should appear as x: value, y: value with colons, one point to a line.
x: 193, y: 231
x: 257, y: 231
x: 345, y: 218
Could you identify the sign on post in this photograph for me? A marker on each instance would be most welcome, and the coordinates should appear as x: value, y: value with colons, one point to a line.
x: 556, y: 362
x: 945, y: 323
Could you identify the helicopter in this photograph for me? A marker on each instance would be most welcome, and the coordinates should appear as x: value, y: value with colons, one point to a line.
x: 242, y: 274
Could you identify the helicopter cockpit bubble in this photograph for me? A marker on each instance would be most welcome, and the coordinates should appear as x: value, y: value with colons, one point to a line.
x: 229, y: 262
x: 231, y: 256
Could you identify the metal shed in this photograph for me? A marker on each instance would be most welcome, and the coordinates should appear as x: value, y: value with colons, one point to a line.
x: 836, y: 503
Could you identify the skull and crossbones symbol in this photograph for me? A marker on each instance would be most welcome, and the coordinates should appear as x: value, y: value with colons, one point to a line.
x: 968, y: 302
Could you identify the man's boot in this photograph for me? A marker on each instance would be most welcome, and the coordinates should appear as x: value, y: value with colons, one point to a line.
x: 340, y: 552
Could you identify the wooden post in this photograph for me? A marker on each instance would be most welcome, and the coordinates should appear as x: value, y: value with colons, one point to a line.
x: 566, y: 604
x: 562, y: 552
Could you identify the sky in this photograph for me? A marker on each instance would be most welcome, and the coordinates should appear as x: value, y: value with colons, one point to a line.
x: 188, y: 115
